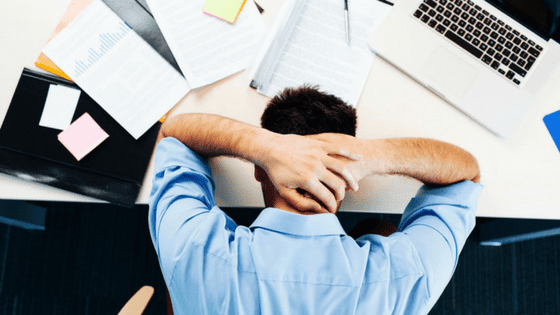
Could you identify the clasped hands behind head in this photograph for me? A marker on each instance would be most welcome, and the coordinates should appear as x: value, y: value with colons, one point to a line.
x: 317, y: 128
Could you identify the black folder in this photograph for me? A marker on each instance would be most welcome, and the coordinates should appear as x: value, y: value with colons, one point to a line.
x: 113, y: 171
x: 138, y: 16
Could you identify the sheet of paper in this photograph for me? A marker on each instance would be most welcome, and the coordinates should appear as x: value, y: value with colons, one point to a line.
x: 116, y: 68
x: 207, y: 49
x: 317, y: 53
x: 227, y: 10
x: 82, y: 136
x: 75, y: 7
x: 59, y: 107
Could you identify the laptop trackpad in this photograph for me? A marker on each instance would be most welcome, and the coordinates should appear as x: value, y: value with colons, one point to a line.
x: 451, y: 73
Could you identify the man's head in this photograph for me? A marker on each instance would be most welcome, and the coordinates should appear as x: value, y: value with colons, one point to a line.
x: 304, y: 111
x: 308, y: 111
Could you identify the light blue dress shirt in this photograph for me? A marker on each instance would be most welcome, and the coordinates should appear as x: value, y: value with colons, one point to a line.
x: 287, y: 263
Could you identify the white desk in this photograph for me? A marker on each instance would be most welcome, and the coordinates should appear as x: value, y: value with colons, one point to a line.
x: 521, y: 175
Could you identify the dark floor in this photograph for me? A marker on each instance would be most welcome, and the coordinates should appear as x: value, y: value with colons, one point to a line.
x: 92, y: 258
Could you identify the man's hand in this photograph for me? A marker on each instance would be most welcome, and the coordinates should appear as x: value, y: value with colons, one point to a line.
x: 315, y: 166
x: 358, y: 168
x: 429, y: 161
x: 292, y: 162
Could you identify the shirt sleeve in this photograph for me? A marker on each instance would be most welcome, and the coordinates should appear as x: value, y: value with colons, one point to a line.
x: 438, y: 222
x: 182, y: 195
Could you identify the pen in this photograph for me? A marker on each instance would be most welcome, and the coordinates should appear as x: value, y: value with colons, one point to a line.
x: 347, y: 21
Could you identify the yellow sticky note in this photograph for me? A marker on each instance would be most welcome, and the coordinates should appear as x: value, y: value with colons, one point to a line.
x: 227, y: 10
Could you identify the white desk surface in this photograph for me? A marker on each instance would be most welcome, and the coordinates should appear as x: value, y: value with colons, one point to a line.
x: 521, y: 175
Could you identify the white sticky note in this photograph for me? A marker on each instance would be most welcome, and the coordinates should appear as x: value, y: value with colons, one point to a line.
x: 59, y: 107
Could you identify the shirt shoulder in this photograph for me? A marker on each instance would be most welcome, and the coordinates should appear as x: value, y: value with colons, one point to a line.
x: 454, y: 204
x: 181, y: 197
x: 171, y: 152
x: 437, y: 223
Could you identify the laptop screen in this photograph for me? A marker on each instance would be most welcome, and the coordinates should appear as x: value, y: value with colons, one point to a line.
x: 540, y: 16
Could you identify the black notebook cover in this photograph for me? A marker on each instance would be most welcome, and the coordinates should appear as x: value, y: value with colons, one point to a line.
x: 113, y: 171
x: 138, y: 16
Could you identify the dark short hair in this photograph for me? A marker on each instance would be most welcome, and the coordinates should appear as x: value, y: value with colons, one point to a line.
x: 306, y: 110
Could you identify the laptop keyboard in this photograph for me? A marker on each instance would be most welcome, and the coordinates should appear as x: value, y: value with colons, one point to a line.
x: 487, y: 38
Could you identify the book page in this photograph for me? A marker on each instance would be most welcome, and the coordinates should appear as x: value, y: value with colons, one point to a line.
x: 207, y: 49
x: 272, y: 46
x: 117, y: 68
x: 317, y: 52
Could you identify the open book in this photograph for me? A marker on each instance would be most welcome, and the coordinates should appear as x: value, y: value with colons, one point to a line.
x: 307, y: 45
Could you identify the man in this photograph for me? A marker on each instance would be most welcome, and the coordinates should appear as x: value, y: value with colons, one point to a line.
x: 295, y: 258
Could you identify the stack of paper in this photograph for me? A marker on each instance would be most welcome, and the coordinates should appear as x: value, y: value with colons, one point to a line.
x: 128, y: 78
x: 307, y: 45
x: 117, y: 68
x: 207, y: 49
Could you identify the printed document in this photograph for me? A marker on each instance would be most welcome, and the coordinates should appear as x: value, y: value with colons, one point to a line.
x: 307, y: 45
x: 117, y: 68
x: 207, y: 49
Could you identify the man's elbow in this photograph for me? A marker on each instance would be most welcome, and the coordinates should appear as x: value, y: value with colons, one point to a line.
x: 476, y: 179
x: 475, y: 170
x: 165, y: 129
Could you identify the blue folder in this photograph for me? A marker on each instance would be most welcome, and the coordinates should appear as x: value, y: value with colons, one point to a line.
x: 552, y: 122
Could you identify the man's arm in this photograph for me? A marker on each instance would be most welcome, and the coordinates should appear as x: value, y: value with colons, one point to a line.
x: 430, y: 161
x: 290, y: 161
x: 441, y: 216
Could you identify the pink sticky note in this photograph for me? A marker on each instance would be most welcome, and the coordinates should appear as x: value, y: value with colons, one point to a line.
x: 82, y: 136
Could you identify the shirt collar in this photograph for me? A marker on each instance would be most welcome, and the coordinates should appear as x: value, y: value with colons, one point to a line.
x: 298, y: 224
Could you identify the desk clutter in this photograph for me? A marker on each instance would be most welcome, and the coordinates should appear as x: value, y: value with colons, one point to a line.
x: 118, y: 66
x: 113, y: 171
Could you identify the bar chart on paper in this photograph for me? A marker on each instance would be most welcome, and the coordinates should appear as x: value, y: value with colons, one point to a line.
x: 106, y: 41
x: 118, y: 69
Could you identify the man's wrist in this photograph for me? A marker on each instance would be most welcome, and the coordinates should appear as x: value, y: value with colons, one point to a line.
x: 258, y: 146
x: 376, y: 160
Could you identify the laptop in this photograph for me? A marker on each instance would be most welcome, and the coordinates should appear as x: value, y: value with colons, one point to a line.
x: 487, y: 58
